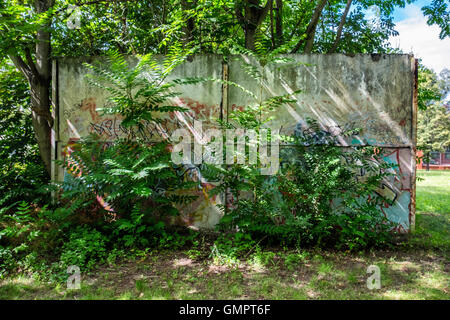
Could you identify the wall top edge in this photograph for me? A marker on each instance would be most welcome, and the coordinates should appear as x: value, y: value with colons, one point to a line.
x: 374, y: 56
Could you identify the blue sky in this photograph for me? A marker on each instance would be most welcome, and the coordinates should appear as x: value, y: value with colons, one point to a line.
x: 420, y: 39
x: 402, y: 13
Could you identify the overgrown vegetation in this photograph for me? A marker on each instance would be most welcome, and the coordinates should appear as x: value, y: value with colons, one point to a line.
x: 417, y: 271
x: 117, y: 194
x: 433, y: 121
x: 316, y: 197
x: 21, y: 171
x: 120, y: 200
x: 127, y: 193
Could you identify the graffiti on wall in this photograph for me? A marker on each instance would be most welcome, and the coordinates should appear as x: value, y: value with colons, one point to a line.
x: 361, y: 96
x: 110, y: 128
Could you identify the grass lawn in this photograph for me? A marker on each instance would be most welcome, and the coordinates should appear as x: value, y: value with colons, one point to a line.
x: 419, y: 269
x: 433, y: 209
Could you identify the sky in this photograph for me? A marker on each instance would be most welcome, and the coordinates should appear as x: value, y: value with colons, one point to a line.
x: 419, y: 38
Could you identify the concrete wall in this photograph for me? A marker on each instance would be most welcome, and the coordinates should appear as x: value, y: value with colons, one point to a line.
x: 374, y: 92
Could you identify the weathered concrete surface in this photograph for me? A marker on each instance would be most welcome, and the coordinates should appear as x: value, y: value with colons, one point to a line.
x: 77, y: 117
x: 78, y: 100
x: 371, y: 92
x: 374, y: 93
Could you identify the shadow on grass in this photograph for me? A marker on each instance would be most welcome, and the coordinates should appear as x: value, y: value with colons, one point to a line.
x: 420, y: 272
x: 322, y: 275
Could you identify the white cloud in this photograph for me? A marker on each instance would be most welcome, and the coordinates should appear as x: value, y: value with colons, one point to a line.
x: 416, y: 37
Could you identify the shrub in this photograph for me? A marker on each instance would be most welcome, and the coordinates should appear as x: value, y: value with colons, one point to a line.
x: 316, y: 196
x: 316, y: 199
x: 22, y: 174
x: 133, y: 179
x: 127, y: 175
x: 85, y: 247
x: 263, y: 258
x: 292, y: 260
x: 23, y: 230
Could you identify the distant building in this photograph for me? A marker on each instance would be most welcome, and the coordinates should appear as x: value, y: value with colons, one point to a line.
x: 438, y: 160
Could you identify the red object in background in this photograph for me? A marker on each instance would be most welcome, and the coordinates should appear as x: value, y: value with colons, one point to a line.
x: 438, y: 161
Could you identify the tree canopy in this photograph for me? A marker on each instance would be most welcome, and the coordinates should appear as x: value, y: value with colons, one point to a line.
x: 433, y: 121
x: 32, y: 32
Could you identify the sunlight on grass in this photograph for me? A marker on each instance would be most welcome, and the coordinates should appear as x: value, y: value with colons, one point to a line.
x: 325, y: 268
x: 23, y: 288
x: 433, y: 210
x: 401, y: 295
x: 435, y: 280
x: 417, y: 273
x: 405, y: 266
x: 126, y: 296
x: 433, y: 192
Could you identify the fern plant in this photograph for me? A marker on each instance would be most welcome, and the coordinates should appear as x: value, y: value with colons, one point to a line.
x: 141, y: 92
x: 316, y: 197
x: 18, y: 227
x: 254, y: 116
x: 130, y: 181
x: 125, y: 173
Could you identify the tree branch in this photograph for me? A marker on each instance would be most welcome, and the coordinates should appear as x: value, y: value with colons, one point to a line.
x: 88, y: 3
x: 22, y: 66
x: 341, y: 26
x: 238, y: 13
x: 264, y: 12
x: 311, y: 29
x: 31, y: 63
x: 279, y: 22
x: 300, y: 20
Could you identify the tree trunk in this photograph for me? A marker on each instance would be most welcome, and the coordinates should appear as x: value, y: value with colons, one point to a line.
x: 311, y: 29
x: 279, y: 23
x: 40, y: 87
x: 315, y: 20
x: 42, y: 120
x: 190, y: 24
x: 252, y: 17
x: 341, y: 26
x: 250, y: 38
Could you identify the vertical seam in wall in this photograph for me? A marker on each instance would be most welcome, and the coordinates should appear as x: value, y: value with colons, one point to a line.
x: 412, y: 200
x: 224, y: 98
x: 224, y: 108
x: 414, y: 110
x: 58, y: 116
x: 55, y: 111
x: 55, y: 128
